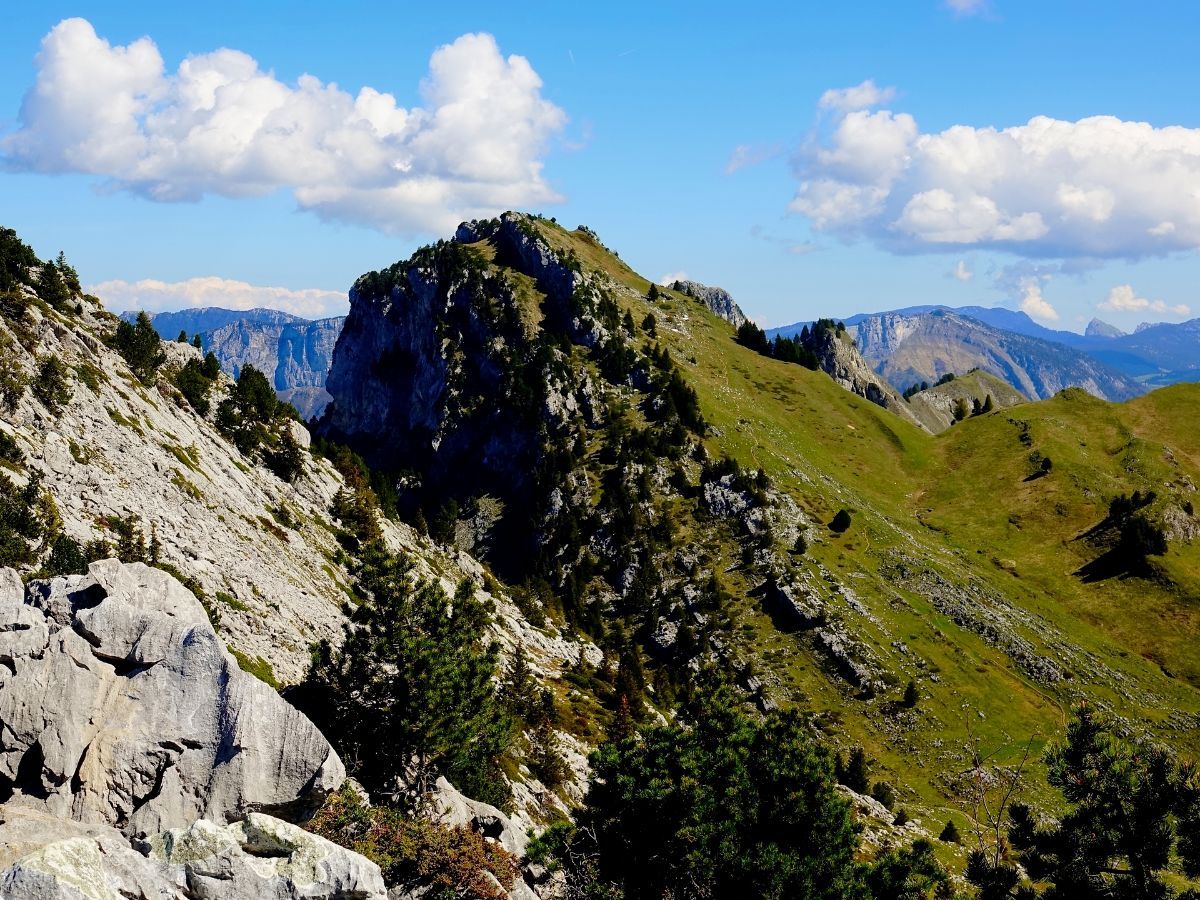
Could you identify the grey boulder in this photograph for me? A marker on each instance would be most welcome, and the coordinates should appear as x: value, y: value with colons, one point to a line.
x: 119, y: 705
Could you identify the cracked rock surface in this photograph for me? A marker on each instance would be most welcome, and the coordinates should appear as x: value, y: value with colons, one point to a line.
x: 120, y: 706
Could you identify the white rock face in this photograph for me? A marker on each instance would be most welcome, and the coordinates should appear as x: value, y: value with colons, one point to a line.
x: 119, y: 705
x: 259, y: 857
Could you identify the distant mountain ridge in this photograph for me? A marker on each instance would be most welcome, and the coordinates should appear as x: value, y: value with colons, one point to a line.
x: 202, y: 319
x: 294, y: 353
x: 1154, y: 355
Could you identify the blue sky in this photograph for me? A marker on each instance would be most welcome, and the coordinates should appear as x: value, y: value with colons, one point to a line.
x: 859, y: 201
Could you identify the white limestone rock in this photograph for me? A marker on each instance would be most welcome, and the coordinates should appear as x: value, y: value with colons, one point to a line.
x: 120, y: 705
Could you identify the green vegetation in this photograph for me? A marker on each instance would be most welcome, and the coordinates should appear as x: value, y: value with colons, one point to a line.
x: 1133, y: 812
x: 968, y: 578
x: 140, y: 345
x: 408, y: 696
x: 730, y: 806
x: 415, y: 854
x: 195, y: 380
x: 257, y: 666
x: 51, y: 387
x: 252, y: 417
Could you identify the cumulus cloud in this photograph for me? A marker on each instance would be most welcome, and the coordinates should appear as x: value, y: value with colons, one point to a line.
x: 1035, y: 305
x: 671, y: 277
x: 862, y: 96
x: 961, y: 271
x: 1124, y: 299
x: 155, y: 296
x: 1099, y: 187
x: 220, y: 125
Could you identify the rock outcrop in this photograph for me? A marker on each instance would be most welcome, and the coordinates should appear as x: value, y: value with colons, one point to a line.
x: 257, y: 857
x: 838, y: 356
x: 138, y: 760
x: 119, y: 705
x: 435, y: 370
x: 294, y: 353
x: 716, y: 299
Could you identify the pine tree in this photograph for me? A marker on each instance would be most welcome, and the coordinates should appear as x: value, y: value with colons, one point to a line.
x: 196, y: 342
x: 911, y: 695
x: 856, y: 775
x: 182, y: 339
x: 140, y: 345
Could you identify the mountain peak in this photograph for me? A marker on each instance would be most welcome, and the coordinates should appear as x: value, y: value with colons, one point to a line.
x: 1101, y: 329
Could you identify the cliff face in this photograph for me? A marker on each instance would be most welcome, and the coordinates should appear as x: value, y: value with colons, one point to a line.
x: 294, y: 353
x: 715, y: 298
x: 437, y: 371
x: 296, y: 356
x: 908, y: 349
x: 840, y: 359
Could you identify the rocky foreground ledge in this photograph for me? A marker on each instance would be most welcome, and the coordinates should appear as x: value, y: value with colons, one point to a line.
x: 137, y: 760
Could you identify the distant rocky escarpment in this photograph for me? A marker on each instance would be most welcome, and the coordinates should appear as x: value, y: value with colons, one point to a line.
x: 294, y: 353
x: 296, y: 356
x: 909, y: 349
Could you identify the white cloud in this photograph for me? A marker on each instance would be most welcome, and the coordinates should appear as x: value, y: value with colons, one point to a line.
x: 1099, y: 187
x: 961, y: 271
x: 862, y: 96
x: 1124, y: 299
x: 155, y: 296
x: 220, y: 125
x: 1034, y: 304
x: 966, y: 7
x: 671, y: 277
x: 744, y: 156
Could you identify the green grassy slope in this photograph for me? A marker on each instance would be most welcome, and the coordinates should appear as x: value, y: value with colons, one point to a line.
x: 957, y: 573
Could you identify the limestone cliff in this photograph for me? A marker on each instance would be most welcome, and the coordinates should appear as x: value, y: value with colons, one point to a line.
x: 716, y: 299
x: 909, y: 349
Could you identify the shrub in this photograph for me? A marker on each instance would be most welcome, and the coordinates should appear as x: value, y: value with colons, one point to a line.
x: 195, y: 384
x: 729, y: 807
x: 884, y: 793
x: 841, y: 522
x: 10, y: 451
x: 51, y: 287
x: 855, y: 774
x: 416, y: 855
x: 950, y: 833
x: 51, y: 387
x: 287, y: 459
x: 23, y: 519
x: 67, y: 557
